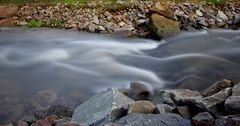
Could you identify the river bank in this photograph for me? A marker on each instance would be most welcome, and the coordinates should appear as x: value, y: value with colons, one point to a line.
x: 218, y: 105
x: 126, y: 18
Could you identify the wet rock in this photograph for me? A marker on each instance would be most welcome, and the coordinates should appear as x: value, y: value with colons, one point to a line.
x: 164, y: 108
x: 48, y: 95
x: 236, y: 22
x: 213, y: 103
x: 183, y: 111
x: 22, y: 23
x: 145, y: 107
x: 42, y: 122
x: 102, y: 108
x: 58, y: 110
x: 184, y: 95
x: 138, y: 119
x: 7, y: 11
x: 52, y: 118
x: 236, y: 90
x: 140, y: 91
x: 92, y: 27
x: 70, y: 124
x: 162, y: 10
x: 163, y: 27
x: 232, y: 105
x: 163, y: 97
x: 203, y: 119
x: 222, y: 15
x: 233, y: 120
x: 62, y: 120
x: 216, y: 87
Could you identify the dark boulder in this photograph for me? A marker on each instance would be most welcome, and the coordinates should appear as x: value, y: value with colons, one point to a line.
x: 203, y: 119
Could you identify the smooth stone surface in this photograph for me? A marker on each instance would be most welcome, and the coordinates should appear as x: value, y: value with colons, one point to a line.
x: 163, y: 27
x: 145, y: 107
x: 104, y: 107
x: 222, y: 15
x: 164, y: 108
x: 183, y: 111
x: 138, y: 119
x: 203, y: 119
x: 232, y: 105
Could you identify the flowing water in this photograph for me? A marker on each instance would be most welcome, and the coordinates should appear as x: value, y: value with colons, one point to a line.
x: 43, y: 67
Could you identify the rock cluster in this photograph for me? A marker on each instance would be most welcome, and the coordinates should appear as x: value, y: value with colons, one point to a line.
x: 142, y: 18
x: 217, y: 105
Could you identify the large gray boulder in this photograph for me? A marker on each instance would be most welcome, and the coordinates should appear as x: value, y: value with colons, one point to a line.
x: 138, y: 119
x: 232, y: 105
x: 102, y: 108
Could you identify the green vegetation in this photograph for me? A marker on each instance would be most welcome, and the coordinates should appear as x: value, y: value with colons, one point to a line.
x: 34, y: 23
x: 55, y: 23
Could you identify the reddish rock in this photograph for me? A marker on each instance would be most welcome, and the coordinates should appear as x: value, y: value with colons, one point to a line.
x: 42, y: 122
x: 203, y: 119
x: 22, y: 123
x: 52, y: 118
x: 7, y: 11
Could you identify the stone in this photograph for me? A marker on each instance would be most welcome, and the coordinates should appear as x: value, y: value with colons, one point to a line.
x: 164, y: 108
x: 22, y: 123
x: 216, y: 87
x: 22, y: 23
x: 7, y: 22
x: 101, y: 28
x: 140, y: 91
x: 163, y: 97
x: 199, y: 13
x: 163, y: 27
x: 57, y: 110
x: 232, y: 105
x: 221, y: 15
x: 62, y: 120
x: 105, y: 107
x: 162, y: 10
x: 236, y: 90
x: 107, y: 14
x: 121, y: 23
x: 183, y: 111
x: 43, y: 122
x: 236, y: 22
x: 232, y: 120
x: 52, y: 118
x: 184, y: 95
x: 213, y: 103
x: 70, y: 124
x: 202, y: 21
x: 7, y: 11
x: 92, y: 27
x: 145, y: 107
x: 95, y: 20
x: 203, y: 119
x: 139, y: 119
x: 141, y: 21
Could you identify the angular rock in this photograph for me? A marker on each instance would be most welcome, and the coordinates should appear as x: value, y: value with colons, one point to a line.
x: 163, y: 97
x: 43, y: 122
x: 57, y: 110
x: 145, y: 107
x: 184, y: 95
x: 104, y: 107
x: 232, y: 105
x: 163, y: 27
x: 70, y: 124
x: 222, y: 15
x: 7, y: 11
x: 216, y: 87
x: 138, y: 119
x: 22, y: 123
x: 62, y: 121
x: 162, y: 10
x: 199, y: 13
x: 203, y: 119
x: 183, y: 111
x: 164, y: 108
x: 236, y: 90
x: 213, y: 103
x: 233, y: 120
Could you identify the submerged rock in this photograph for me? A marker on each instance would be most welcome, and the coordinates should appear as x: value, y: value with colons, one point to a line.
x: 104, y: 107
x: 138, y: 119
x: 58, y: 110
x: 203, y: 119
x: 145, y: 107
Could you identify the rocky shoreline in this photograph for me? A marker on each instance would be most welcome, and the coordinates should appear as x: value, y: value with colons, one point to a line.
x: 218, y: 105
x: 142, y: 19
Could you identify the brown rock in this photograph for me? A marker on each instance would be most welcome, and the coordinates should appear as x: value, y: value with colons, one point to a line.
x: 162, y: 10
x: 163, y: 27
x: 7, y: 11
x: 183, y: 111
x: 22, y: 123
x: 42, y: 122
x: 145, y: 107
x: 216, y: 87
x: 52, y: 118
x: 203, y: 119
x: 71, y: 124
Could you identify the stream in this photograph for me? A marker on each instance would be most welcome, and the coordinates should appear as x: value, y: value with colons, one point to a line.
x: 44, y: 67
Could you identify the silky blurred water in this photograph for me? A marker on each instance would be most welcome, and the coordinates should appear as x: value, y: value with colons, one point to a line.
x: 43, y: 67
